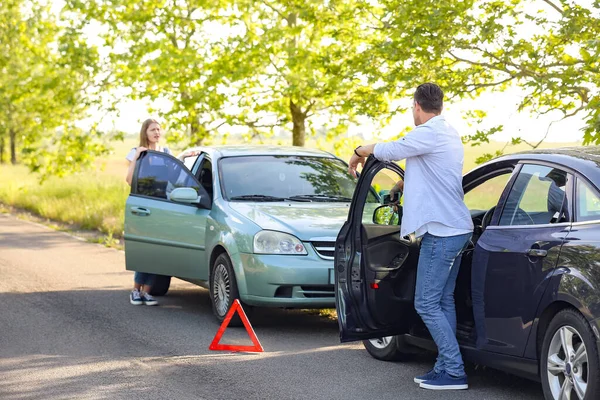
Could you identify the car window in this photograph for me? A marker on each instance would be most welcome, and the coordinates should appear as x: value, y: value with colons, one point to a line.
x: 205, y: 176
x: 537, y: 197
x: 275, y: 177
x: 378, y: 209
x: 588, y: 203
x: 159, y: 174
x: 190, y: 161
x: 487, y: 194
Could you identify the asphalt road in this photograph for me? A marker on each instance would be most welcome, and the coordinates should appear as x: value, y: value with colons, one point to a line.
x: 67, y: 331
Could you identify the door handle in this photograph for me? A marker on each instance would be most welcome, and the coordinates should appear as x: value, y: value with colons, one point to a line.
x: 141, y: 211
x: 537, y: 253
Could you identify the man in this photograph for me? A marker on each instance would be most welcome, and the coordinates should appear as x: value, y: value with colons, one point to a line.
x: 435, y: 211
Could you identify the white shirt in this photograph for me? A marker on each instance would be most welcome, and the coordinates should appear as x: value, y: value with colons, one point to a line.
x: 433, y: 192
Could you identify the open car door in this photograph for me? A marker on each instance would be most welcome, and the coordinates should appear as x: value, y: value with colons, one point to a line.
x: 375, y: 268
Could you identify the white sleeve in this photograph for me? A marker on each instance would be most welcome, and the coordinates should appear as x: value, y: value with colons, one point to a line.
x: 130, y: 155
x: 419, y: 141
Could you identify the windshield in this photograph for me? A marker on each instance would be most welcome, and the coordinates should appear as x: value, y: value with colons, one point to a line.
x: 278, y: 178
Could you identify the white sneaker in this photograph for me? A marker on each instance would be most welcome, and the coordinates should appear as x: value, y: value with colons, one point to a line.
x: 148, y: 300
x: 135, y: 298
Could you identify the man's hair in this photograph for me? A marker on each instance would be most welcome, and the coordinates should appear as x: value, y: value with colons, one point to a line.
x: 430, y: 97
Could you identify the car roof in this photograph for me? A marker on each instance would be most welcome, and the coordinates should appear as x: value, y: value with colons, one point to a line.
x: 583, y: 159
x: 262, y: 150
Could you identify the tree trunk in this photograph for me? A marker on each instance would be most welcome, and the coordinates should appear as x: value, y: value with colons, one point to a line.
x: 1, y: 150
x: 13, y: 146
x: 299, y: 129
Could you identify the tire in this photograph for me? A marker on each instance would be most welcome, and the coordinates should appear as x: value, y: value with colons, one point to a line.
x: 223, y: 289
x: 390, y: 348
x: 161, y: 284
x: 581, y: 375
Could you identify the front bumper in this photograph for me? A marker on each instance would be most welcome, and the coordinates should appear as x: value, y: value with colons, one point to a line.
x: 288, y: 281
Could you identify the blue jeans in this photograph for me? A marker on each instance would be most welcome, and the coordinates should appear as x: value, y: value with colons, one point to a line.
x: 439, y: 262
x: 143, y: 278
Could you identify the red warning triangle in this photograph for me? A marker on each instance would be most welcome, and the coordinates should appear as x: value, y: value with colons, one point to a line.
x: 237, y: 306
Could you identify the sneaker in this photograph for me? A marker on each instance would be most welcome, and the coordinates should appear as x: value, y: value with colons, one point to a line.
x: 148, y: 299
x: 135, y: 298
x: 445, y: 381
x: 428, y: 376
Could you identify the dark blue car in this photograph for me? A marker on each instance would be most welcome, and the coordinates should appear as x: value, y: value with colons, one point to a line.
x: 528, y: 293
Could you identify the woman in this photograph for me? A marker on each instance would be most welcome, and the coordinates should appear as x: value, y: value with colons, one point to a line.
x: 149, y: 137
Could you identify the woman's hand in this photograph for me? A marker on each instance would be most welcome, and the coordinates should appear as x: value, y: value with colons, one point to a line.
x: 353, y: 164
x: 139, y: 151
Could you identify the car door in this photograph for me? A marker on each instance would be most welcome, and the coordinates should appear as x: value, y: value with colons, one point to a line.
x: 161, y: 235
x: 516, y: 253
x: 375, y: 269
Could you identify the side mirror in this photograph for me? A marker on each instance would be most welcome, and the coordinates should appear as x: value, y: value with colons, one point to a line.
x: 185, y: 195
x: 386, y: 215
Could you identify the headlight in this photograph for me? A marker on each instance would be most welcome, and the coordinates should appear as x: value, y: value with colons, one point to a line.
x: 271, y: 242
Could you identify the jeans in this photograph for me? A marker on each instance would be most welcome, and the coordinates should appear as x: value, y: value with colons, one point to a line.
x: 439, y: 262
x: 143, y: 278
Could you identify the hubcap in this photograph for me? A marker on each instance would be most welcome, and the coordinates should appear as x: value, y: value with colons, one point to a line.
x: 381, y: 343
x: 221, y: 289
x: 567, y: 365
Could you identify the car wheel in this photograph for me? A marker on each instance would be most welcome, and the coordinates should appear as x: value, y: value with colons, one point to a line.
x: 161, y: 284
x: 223, y: 289
x: 569, y: 359
x: 389, y: 348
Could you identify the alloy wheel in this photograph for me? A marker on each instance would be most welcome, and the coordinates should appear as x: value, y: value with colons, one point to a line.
x: 382, y: 342
x: 567, y: 366
x: 221, y: 289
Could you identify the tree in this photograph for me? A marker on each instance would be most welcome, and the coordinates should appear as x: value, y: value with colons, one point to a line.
x: 43, y: 90
x: 302, y: 60
x: 550, y: 49
x: 162, y: 50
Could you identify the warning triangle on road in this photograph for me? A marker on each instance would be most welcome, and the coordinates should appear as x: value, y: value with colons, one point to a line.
x: 215, y: 345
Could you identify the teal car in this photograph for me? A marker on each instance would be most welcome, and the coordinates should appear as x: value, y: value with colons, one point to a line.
x: 256, y: 223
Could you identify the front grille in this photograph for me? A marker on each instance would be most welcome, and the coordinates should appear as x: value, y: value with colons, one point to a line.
x: 305, y: 291
x: 317, y: 291
x: 325, y: 249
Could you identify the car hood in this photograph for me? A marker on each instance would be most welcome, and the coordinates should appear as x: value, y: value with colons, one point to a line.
x: 304, y: 220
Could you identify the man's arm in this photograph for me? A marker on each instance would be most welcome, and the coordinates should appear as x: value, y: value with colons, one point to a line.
x: 419, y: 141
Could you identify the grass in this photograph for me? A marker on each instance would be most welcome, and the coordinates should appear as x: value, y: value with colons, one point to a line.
x: 93, y: 200
x: 96, y: 199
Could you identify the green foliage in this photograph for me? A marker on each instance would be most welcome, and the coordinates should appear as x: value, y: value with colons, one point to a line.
x: 471, y: 46
x: 42, y: 89
x: 89, y: 200
x: 306, y: 66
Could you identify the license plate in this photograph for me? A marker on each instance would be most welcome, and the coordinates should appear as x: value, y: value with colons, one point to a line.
x: 331, y: 277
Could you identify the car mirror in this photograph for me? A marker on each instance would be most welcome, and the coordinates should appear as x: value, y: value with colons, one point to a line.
x: 185, y: 195
x: 386, y: 215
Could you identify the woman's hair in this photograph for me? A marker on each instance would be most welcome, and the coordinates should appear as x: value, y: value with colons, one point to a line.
x: 143, y: 136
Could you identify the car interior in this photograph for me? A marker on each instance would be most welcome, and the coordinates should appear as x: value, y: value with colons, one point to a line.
x: 392, y: 261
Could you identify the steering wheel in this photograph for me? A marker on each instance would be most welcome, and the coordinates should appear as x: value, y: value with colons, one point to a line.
x: 522, y: 212
x: 487, y: 218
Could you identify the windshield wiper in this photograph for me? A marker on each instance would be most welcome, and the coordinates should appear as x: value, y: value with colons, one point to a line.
x: 257, y: 197
x: 321, y: 197
x: 262, y: 197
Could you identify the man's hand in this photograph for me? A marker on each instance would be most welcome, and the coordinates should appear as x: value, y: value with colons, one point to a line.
x: 398, y: 188
x: 353, y: 164
x: 188, y: 153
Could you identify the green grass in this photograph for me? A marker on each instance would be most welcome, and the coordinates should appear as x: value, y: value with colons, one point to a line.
x: 92, y: 200
x: 96, y: 199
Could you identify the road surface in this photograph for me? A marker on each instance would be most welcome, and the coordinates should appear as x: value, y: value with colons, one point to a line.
x: 67, y: 331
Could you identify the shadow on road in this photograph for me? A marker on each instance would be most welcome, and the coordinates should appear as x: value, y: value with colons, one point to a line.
x: 94, y: 344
